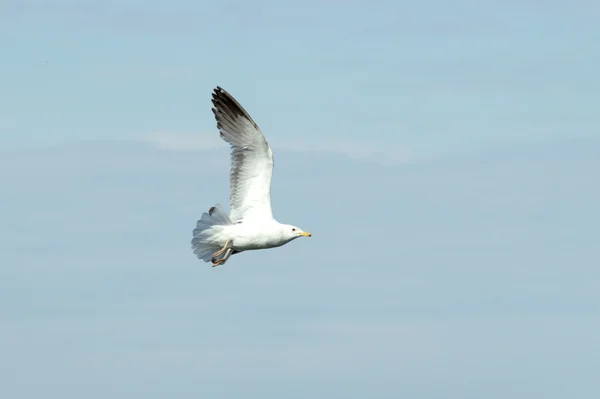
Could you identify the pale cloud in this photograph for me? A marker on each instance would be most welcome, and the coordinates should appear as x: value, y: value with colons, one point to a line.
x: 371, y: 330
x: 353, y: 149
x: 183, y: 141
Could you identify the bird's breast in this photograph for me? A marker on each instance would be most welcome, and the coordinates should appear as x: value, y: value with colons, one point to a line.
x: 247, y: 238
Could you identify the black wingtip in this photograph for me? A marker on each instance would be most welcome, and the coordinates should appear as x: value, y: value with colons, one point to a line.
x: 218, y: 91
x: 225, y: 103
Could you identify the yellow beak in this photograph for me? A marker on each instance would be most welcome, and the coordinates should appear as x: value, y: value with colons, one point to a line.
x: 306, y: 234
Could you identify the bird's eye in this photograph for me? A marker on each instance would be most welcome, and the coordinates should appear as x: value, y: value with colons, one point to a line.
x: 293, y: 229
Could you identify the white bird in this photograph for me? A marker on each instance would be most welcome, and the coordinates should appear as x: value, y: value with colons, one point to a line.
x: 250, y: 224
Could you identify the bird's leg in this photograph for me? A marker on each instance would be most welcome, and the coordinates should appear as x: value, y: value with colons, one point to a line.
x: 220, y: 251
x: 219, y: 262
x: 215, y: 260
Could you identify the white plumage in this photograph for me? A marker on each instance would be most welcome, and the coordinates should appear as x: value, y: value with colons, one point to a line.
x: 250, y: 225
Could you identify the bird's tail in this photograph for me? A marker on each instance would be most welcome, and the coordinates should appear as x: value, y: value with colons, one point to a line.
x: 205, y: 242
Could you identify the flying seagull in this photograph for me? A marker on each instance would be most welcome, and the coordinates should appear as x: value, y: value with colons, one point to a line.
x: 250, y: 224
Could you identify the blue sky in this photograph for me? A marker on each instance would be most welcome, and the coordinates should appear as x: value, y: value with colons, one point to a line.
x: 443, y: 156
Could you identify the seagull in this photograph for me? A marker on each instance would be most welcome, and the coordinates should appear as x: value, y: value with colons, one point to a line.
x: 250, y: 224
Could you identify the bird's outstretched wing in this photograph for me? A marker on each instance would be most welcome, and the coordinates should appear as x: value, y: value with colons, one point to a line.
x: 251, y: 160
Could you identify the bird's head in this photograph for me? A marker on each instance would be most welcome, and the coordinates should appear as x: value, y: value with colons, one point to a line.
x: 293, y: 232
